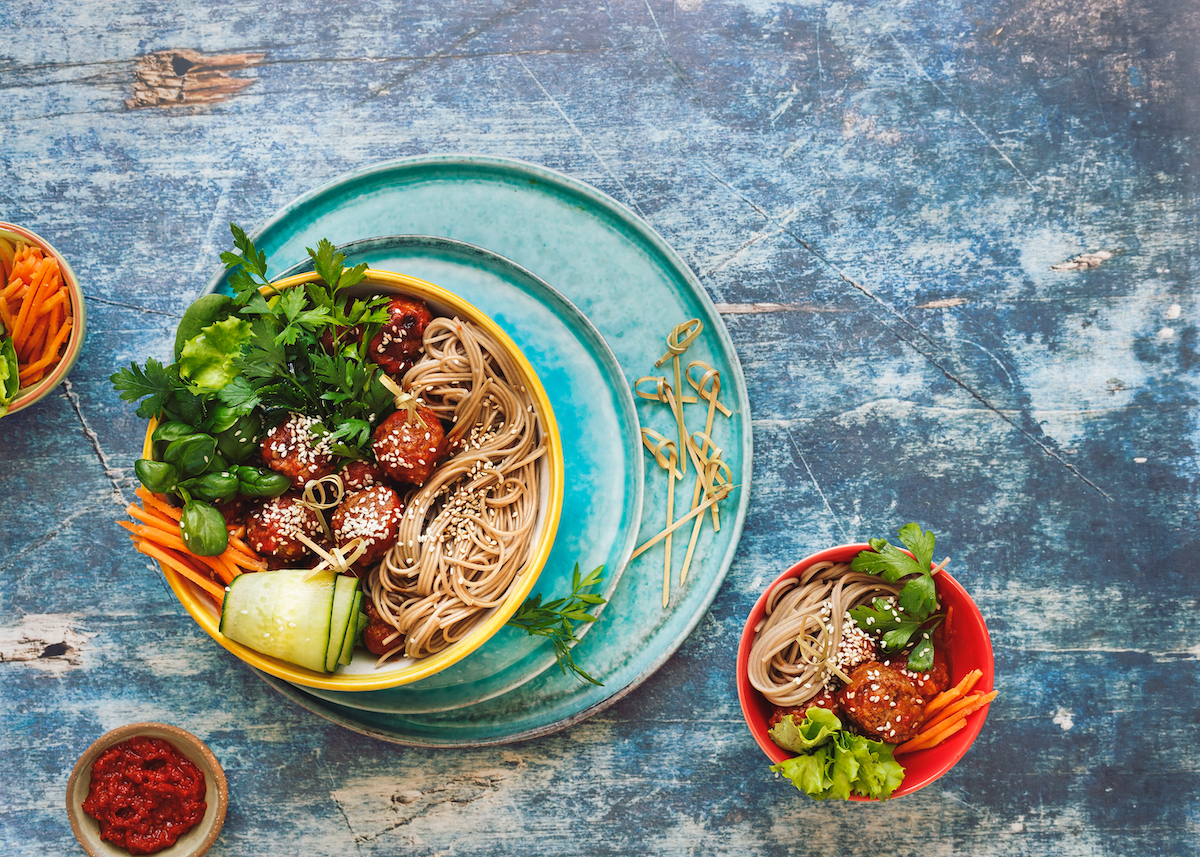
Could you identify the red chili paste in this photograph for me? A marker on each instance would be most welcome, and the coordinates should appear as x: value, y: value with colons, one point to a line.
x: 145, y: 794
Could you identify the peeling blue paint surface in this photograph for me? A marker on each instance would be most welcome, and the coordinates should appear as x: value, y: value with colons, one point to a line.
x: 954, y: 245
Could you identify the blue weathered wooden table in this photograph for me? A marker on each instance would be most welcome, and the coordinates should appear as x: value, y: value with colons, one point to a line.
x: 954, y: 245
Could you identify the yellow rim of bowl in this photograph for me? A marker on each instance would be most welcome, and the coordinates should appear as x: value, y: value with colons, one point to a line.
x: 31, y: 395
x: 202, y: 610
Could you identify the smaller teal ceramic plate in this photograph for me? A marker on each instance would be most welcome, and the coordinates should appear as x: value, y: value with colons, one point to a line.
x: 602, y: 455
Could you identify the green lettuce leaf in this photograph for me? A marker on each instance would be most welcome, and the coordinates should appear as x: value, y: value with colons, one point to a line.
x: 809, y: 772
x: 10, y: 383
x: 816, y: 727
x: 876, y: 772
x: 207, y: 361
x: 832, y: 763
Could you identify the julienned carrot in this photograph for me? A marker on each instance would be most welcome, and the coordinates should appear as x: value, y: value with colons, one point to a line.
x: 153, y: 501
x: 152, y: 519
x: 59, y: 298
x: 237, y: 555
x: 49, y: 352
x: 952, y: 694
x: 219, y: 566
x: 35, y: 309
x: 930, y: 738
x: 933, y: 733
x: 177, y: 564
x: 241, y: 547
x: 966, y: 705
x: 20, y: 328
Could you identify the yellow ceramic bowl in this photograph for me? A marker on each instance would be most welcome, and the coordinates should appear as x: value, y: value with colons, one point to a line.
x: 361, y: 673
x: 39, y: 390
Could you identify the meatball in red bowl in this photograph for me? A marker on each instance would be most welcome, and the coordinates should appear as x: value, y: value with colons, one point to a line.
x: 841, y: 669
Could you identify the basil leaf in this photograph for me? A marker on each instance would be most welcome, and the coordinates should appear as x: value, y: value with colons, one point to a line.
x: 158, y: 476
x: 203, y: 529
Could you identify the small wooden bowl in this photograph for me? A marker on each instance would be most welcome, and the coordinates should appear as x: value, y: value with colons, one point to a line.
x: 193, y: 843
x: 37, y: 391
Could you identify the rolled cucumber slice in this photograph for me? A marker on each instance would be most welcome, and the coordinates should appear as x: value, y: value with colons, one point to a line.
x: 287, y: 614
x: 353, y: 627
x: 344, y: 592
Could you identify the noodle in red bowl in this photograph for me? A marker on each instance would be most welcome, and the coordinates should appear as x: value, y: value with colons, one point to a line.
x: 964, y: 660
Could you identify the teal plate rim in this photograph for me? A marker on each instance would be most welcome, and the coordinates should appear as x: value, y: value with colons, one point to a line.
x: 613, y: 266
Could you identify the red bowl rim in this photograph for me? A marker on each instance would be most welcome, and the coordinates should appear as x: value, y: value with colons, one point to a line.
x: 959, y: 743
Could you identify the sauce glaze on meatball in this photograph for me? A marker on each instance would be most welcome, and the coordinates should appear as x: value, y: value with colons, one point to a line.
x: 397, y: 345
x: 372, y: 515
x: 291, y: 449
x: 882, y: 702
x: 271, y: 529
x: 408, y: 450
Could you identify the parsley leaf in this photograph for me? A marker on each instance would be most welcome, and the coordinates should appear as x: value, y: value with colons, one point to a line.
x: 553, y: 619
x: 247, y: 264
x: 156, y: 384
x: 330, y: 267
x: 904, y: 623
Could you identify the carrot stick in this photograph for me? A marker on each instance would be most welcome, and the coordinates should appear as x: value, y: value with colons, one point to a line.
x: 159, y: 505
x: 50, y: 352
x: 31, y: 297
x: 239, y: 545
x: 930, y: 738
x: 160, y: 518
x: 5, y: 314
x: 948, y: 711
x: 242, y: 560
x: 941, y: 701
x: 176, y: 564
x: 57, y: 299
x: 953, y: 694
x: 224, y: 567
x: 967, y: 705
x: 36, y: 340
x: 152, y: 520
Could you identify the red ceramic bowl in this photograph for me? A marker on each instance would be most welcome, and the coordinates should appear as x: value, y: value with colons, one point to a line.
x: 971, y: 649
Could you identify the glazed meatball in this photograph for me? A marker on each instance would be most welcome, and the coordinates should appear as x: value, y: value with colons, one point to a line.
x: 373, y: 515
x: 334, y: 338
x: 882, y: 702
x: 272, y: 526
x: 397, y: 345
x: 932, y: 681
x: 377, y: 631
x: 824, y: 699
x: 358, y: 475
x: 291, y: 449
x: 408, y: 450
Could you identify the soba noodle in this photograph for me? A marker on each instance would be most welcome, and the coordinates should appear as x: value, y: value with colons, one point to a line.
x: 798, y: 645
x: 468, y: 531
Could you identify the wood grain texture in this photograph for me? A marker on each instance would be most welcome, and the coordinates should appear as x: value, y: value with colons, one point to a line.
x: 897, y: 207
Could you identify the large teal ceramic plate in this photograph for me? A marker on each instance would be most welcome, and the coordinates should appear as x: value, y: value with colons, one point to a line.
x: 633, y: 288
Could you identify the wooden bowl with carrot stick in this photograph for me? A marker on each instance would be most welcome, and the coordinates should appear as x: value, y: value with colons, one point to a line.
x: 42, y: 318
x: 949, y: 721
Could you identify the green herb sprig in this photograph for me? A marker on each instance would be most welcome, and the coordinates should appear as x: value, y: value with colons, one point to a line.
x: 913, y: 613
x: 553, y: 619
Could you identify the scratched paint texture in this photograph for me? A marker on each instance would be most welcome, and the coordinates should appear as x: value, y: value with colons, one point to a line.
x: 875, y: 193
